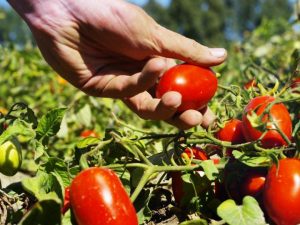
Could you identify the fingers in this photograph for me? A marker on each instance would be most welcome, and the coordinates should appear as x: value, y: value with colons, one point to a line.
x: 174, y: 45
x: 121, y: 86
x: 186, y: 120
x: 155, y: 109
x: 165, y: 109
x: 208, y: 117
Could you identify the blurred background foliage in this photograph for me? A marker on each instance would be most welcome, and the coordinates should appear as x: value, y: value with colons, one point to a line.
x: 211, y: 22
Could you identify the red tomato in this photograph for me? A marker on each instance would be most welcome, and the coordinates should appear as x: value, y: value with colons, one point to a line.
x: 177, y: 182
x: 66, y: 204
x: 281, y: 193
x: 88, y: 133
x: 280, y: 116
x: 295, y: 84
x: 249, y: 84
x: 196, y: 153
x: 98, y: 197
x: 197, y: 85
x: 253, y: 184
x: 232, y: 132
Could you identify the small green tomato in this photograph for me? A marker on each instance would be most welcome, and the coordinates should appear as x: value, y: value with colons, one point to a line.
x: 10, y: 158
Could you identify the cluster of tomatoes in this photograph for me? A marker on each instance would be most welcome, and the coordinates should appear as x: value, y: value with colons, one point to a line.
x: 265, y: 122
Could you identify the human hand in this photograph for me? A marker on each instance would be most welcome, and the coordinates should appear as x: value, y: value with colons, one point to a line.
x: 114, y: 49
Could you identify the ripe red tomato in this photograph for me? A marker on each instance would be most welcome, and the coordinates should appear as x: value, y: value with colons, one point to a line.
x: 197, y: 85
x: 281, y: 194
x: 253, y: 184
x: 98, y: 197
x: 196, y: 153
x: 232, y: 132
x: 280, y: 116
x: 177, y: 182
x: 295, y: 84
x: 249, y: 84
x: 88, y: 133
x: 66, y: 204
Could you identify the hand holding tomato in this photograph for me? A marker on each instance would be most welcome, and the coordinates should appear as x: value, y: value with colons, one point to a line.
x: 117, y: 55
x: 98, y: 197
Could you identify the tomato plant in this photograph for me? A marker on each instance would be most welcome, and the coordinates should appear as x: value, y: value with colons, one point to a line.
x: 281, y: 193
x: 177, y: 182
x: 10, y: 158
x: 277, y: 118
x: 97, y: 196
x: 197, y: 85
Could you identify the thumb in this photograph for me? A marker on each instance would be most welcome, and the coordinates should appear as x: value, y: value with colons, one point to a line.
x: 174, y: 45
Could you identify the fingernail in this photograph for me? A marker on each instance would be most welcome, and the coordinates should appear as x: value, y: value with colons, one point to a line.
x: 217, y: 52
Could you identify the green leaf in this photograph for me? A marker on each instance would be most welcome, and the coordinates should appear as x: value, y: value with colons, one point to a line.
x: 84, y: 116
x: 124, y: 176
x: 210, y: 169
x: 86, y: 142
x: 42, y: 186
x: 247, y: 214
x: 252, y: 161
x: 39, y: 149
x: 19, y: 127
x: 59, y: 169
x: 195, y: 222
x: 50, y: 123
x: 44, y: 212
x: 63, y: 131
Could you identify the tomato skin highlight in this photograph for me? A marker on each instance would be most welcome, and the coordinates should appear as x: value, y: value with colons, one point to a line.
x: 197, y: 85
x: 281, y: 193
x: 98, y: 197
x: 279, y: 114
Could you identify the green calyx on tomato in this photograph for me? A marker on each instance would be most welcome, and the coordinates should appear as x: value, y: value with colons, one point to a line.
x: 10, y: 158
x: 197, y: 85
x: 278, y: 117
x: 98, y: 197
